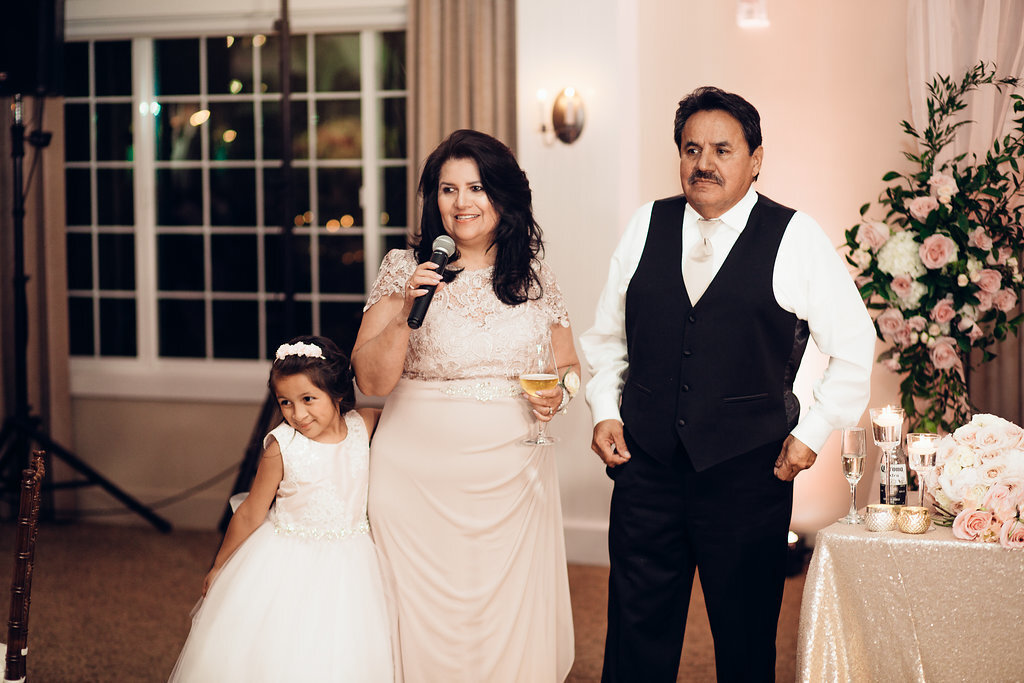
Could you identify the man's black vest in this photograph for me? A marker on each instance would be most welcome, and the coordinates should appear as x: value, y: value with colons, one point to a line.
x: 717, y: 376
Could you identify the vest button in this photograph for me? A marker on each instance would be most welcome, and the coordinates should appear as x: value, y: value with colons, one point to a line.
x: 692, y: 318
x: 682, y: 423
x: 687, y: 353
x: 685, y: 387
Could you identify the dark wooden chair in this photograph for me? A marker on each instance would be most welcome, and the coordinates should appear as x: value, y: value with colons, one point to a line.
x: 24, y: 558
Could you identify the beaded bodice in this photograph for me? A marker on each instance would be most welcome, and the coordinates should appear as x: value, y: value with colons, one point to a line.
x: 468, y: 333
x: 323, y: 492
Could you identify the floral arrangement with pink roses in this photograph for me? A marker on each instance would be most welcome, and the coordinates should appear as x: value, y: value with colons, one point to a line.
x: 942, y: 269
x: 978, y: 481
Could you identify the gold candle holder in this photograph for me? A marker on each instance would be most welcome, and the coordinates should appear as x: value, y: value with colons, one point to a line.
x: 881, y: 517
x: 913, y: 520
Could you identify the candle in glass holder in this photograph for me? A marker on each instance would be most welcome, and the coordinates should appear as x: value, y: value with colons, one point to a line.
x: 886, y: 426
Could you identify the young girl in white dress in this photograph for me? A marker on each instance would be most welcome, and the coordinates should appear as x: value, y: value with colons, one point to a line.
x: 295, y: 592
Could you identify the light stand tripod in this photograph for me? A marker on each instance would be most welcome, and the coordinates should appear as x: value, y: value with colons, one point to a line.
x: 21, y: 428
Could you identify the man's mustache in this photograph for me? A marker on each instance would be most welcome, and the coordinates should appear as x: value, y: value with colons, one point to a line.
x: 705, y: 175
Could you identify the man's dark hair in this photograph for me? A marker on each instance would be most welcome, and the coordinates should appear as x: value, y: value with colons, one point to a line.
x: 710, y: 98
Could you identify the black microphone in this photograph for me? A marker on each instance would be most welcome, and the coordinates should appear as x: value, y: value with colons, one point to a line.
x: 444, y: 247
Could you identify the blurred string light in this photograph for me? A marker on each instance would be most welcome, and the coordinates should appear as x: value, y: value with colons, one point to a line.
x: 200, y: 117
x: 259, y: 39
x: 230, y: 40
x: 229, y: 135
x: 235, y: 86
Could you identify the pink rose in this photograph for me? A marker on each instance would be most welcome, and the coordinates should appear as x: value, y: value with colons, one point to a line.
x: 980, y: 239
x: 943, y: 311
x: 943, y: 185
x: 901, y: 285
x: 917, y: 323
x: 1012, y: 534
x: 1005, y: 300
x: 1001, y: 501
x: 873, y: 234
x: 889, y: 323
x: 943, y: 354
x: 988, y: 280
x: 902, y: 338
x: 920, y: 207
x: 1004, y: 254
x: 892, y: 363
x: 985, y: 300
x: 969, y: 524
x: 936, y: 251
x: 861, y: 280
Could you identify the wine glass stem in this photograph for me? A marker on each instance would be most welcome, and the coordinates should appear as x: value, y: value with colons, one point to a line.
x: 853, y: 499
x: 922, y: 489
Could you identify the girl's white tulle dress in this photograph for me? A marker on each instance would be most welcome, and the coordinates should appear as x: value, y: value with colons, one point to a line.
x: 302, y: 599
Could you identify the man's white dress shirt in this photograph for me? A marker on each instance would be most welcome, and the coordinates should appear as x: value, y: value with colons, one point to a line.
x: 810, y: 280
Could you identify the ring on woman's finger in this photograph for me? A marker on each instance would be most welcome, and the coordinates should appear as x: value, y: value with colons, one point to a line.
x: 551, y: 411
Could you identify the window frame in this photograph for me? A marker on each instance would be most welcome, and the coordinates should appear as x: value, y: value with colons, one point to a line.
x: 148, y: 376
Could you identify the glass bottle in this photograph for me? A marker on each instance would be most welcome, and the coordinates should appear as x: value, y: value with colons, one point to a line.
x: 897, y: 476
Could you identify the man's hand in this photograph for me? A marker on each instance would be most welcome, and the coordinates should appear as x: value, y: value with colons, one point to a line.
x: 795, y: 456
x: 609, y: 443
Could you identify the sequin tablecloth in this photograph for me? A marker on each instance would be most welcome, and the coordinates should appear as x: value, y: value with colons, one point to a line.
x: 888, y: 606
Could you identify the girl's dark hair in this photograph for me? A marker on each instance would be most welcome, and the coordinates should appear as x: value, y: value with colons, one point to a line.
x: 332, y: 373
x: 517, y: 237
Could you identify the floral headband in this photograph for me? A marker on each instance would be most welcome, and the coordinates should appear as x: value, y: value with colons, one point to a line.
x: 299, y: 349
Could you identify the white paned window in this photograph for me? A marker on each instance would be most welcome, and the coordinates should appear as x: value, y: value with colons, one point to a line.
x: 175, y: 202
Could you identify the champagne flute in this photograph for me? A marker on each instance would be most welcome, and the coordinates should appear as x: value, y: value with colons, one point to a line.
x: 922, y: 448
x: 887, y: 430
x: 854, y: 449
x: 539, y: 372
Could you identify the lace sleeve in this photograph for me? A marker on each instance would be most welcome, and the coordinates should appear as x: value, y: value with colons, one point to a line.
x: 398, y: 265
x: 552, y: 303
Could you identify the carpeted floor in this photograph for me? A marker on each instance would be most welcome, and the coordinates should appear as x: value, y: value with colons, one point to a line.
x: 111, y: 604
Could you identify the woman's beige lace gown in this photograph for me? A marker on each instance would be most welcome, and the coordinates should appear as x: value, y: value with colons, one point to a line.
x: 467, y: 517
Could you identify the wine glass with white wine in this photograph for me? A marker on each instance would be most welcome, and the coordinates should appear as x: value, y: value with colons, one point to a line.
x: 539, y: 372
x: 854, y: 449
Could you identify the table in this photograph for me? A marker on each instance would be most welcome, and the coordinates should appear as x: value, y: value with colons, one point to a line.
x: 888, y: 606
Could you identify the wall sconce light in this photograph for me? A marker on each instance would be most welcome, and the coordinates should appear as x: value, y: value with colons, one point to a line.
x: 752, y: 13
x: 567, y: 116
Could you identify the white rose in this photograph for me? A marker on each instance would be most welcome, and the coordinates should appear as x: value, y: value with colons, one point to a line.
x: 861, y: 257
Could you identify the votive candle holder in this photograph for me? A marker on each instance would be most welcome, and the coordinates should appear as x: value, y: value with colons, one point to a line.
x: 881, y: 517
x: 913, y: 519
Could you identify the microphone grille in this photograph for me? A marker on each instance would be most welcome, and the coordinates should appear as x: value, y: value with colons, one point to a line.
x: 445, y: 244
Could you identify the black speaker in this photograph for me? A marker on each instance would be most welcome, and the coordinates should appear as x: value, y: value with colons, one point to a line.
x: 32, y: 47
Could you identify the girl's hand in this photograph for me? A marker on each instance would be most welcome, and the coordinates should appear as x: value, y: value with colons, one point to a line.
x: 545, y: 403
x: 425, y: 274
x: 208, y: 581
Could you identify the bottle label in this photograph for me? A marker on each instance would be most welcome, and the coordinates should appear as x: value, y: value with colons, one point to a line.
x: 899, y: 475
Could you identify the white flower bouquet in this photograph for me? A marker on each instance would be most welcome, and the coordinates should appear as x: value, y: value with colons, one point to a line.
x: 978, y: 481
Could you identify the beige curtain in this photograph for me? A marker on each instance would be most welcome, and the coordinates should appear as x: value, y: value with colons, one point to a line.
x: 949, y: 37
x: 49, y: 394
x: 462, y: 65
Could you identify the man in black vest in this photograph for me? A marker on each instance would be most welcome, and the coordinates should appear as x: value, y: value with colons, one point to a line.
x: 699, y: 332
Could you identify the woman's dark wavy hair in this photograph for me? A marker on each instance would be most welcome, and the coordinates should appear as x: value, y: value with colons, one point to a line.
x: 517, y: 238
x: 332, y: 373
